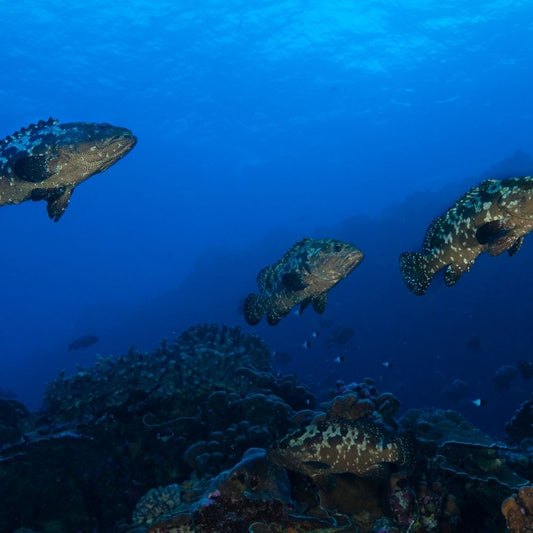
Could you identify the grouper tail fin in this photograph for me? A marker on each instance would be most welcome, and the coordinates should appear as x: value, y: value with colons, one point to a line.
x: 254, y: 309
x: 415, y: 271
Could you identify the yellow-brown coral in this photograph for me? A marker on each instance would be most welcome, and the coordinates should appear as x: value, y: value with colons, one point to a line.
x: 350, y: 407
x: 518, y: 511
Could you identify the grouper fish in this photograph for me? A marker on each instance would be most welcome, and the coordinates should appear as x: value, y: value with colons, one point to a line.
x: 45, y: 161
x: 304, y: 275
x: 494, y: 216
x: 361, y: 447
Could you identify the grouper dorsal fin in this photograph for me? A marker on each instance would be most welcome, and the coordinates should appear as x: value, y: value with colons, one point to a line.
x: 33, y: 168
x: 27, y: 130
x: 262, y: 278
x: 319, y: 303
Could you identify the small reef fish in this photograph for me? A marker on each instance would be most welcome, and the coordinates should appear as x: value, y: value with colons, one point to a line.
x: 493, y: 216
x: 304, y: 275
x: 83, y: 342
x: 359, y: 447
x: 45, y: 161
x: 386, y: 364
x: 339, y: 359
x: 479, y: 402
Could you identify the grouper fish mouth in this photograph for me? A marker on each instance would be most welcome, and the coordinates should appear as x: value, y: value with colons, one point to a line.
x: 47, y: 160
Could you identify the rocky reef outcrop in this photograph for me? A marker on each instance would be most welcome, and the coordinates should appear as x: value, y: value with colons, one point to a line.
x: 111, y: 432
x: 200, y: 435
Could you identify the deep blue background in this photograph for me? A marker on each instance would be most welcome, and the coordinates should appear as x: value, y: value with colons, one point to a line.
x: 259, y: 123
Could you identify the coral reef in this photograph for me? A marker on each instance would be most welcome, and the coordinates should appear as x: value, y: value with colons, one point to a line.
x: 456, y: 390
x: 202, y: 359
x: 426, y: 510
x: 253, y: 496
x: 461, y: 449
x: 521, y: 425
x: 478, y: 471
x: 358, y: 400
x: 202, y: 419
x: 504, y: 376
x: 15, y: 420
x: 140, y: 420
x: 157, y: 503
x: 518, y: 511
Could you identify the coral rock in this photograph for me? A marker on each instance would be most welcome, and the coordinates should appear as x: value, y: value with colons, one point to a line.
x: 518, y: 511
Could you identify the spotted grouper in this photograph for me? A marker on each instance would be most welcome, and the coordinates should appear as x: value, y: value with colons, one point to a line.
x: 493, y: 216
x: 361, y: 447
x: 304, y: 275
x: 45, y: 161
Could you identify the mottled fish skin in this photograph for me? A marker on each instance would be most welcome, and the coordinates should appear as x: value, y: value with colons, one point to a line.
x: 304, y: 275
x: 359, y: 447
x: 493, y: 216
x: 45, y: 161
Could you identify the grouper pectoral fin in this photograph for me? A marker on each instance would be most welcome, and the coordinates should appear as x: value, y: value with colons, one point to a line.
x: 454, y: 272
x: 57, y: 206
x: 316, y: 467
x: 516, y: 246
x: 319, y: 303
x: 57, y: 198
x: 491, y: 232
x: 505, y: 243
x: 32, y: 168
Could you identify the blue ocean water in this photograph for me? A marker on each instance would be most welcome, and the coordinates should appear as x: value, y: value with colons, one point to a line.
x: 260, y: 123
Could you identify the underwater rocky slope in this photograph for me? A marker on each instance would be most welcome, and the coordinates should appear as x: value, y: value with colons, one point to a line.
x: 201, y: 435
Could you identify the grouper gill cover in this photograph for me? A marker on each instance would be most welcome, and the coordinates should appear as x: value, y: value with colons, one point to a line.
x: 492, y: 217
x: 47, y: 160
